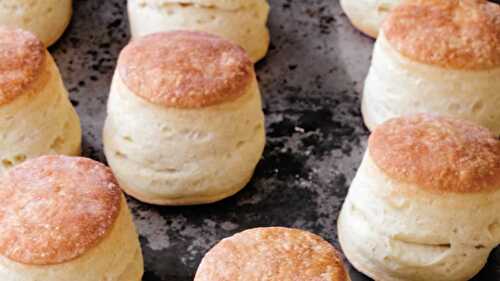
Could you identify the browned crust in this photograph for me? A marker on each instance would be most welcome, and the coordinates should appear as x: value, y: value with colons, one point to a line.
x: 22, y: 58
x: 272, y: 254
x: 55, y: 208
x: 438, y: 154
x: 185, y: 69
x: 456, y: 34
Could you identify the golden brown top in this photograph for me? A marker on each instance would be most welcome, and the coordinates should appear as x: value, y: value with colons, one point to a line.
x: 456, y: 34
x: 185, y: 69
x: 55, y: 208
x: 22, y: 58
x: 272, y: 254
x: 437, y: 154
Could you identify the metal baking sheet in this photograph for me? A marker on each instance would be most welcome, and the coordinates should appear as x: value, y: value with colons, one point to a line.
x: 311, y: 82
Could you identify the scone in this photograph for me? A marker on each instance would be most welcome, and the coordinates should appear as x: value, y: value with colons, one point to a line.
x: 368, y: 15
x: 437, y: 56
x: 185, y: 124
x: 36, y: 116
x: 241, y: 21
x: 272, y: 254
x: 46, y: 19
x: 424, y: 203
x: 65, y: 218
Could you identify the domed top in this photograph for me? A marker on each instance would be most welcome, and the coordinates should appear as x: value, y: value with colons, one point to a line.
x: 22, y: 58
x: 438, y: 154
x: 55, y: 208
x: 272, y: 254
x: 456, y: 34
x: 185, y: 69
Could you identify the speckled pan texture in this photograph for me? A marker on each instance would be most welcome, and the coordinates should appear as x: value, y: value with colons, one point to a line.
x: 311, y: 82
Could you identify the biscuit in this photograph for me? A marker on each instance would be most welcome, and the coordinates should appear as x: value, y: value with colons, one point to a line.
x: 424, y: 203
x: 368, y: 15
x: 241, y: 21
x: 272, y: 254
x: 440, y: 57
x: 36, y: 115
x: 185, y: 124
x: 65, y: 218
x: 46, y: 19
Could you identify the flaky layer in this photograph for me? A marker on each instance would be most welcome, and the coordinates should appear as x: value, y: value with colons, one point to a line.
x: 243, y: 24
x: 41, y: 121
x: 391, y: 230
x: 397, y: 86
x: 183, y: 156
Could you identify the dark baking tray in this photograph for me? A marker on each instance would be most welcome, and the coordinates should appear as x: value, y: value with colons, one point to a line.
x: 310, y: 81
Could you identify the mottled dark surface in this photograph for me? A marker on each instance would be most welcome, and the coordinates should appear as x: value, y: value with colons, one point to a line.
x: 311, y: 82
